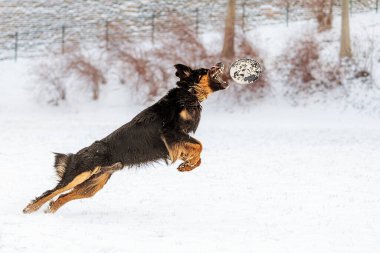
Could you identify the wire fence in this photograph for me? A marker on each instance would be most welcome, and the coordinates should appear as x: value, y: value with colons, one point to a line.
x: 29, y: 28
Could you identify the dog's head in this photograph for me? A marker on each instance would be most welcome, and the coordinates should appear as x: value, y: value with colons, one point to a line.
x: 202, y: 81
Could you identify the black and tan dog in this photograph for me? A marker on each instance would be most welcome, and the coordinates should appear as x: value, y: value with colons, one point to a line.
x: 159, y: 132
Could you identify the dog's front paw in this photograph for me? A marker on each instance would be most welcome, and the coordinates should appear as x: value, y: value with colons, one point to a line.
x: 184, y: 167
x: 187, y: 167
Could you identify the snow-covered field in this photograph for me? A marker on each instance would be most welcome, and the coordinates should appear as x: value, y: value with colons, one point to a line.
x: 273, y: 179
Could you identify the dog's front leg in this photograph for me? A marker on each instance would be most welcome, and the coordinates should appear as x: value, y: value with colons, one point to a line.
x: 185, y: 148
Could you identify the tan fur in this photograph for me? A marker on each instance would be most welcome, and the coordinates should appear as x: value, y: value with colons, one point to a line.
x: 185, y: 115
x: 192, y: 152
x: 61, y: 165
x: 35, y: 205
x: 203, y: 89
x: 186, y: 151
x: 85, y: 190
x: 172, y: 150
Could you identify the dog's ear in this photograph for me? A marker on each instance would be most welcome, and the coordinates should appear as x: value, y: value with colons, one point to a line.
x: 182, y: 71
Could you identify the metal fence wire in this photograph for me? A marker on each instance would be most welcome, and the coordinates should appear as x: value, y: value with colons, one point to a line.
x: 28, y: 28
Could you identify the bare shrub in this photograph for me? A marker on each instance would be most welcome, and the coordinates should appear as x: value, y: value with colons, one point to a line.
x: 84, y: 69
x: 304, y: 61
x: 304, y: 69
x: 62, y: 68
x: 50, y: 80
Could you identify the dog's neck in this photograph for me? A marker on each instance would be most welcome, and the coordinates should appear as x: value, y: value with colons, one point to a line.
x: 202, y: 89
x: 200, y: 93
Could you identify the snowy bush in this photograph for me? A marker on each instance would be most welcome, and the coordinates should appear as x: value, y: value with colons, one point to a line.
x: 304, y: 71
x: 61, y: 74
x: 50, y: 84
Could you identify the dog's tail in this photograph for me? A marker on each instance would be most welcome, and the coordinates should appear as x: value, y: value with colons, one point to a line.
x: 62, y: 162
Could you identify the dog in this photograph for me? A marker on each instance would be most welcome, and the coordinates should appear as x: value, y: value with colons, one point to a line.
x: 160, y: 132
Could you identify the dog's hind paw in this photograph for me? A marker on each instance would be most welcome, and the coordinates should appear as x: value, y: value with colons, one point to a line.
x: 29, y: 208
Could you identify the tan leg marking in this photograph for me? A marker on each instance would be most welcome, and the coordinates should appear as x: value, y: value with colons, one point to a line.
x: 35, y: 205
x: 191, y: 155
x: 172, y: 154
x: 188, y: 152
x: 85, y: 190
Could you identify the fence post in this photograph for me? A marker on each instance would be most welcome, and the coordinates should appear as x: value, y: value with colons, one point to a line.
x: 197, y: 22
x: 377, y: 5
x: 243, y: 18
x: 16, y: 45
x: 350, y: 6
x: 153, y: 26
x: 63, y: 39
x: 107, y: 34
x: 287, y: 13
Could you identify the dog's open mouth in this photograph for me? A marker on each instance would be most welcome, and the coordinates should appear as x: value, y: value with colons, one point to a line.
x: 217, y: 75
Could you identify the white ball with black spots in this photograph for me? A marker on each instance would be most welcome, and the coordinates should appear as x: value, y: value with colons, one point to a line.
x: 245, y: 71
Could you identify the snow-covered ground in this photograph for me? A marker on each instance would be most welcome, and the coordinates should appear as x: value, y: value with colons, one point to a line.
x: 273, y: 179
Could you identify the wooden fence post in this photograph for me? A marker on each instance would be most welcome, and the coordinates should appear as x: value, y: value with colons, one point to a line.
x: 350, y: 6
x: 107, y: 34
x: 287, y: 13
x: 16, y: 45
x: 153, y: 26
x: 63, y: 39
x: 243, y: 18
x: 197, y: 22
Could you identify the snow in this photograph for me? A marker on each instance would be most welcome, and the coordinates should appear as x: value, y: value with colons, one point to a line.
x: 274, y: 178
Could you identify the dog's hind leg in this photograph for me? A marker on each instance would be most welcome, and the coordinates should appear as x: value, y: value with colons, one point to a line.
x: 60, y: 188
x: 86, y: 189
